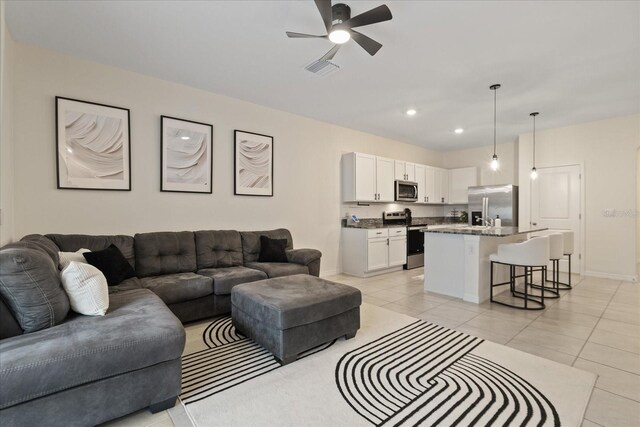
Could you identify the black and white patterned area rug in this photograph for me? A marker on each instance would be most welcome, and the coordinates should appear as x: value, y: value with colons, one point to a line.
x: 397, y: 371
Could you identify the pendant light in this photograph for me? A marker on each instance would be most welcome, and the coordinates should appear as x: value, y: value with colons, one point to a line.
x: 534, y: 171
x: 494, y: 160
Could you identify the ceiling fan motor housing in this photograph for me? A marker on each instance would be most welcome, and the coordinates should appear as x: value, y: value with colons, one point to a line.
x: 340, y: 12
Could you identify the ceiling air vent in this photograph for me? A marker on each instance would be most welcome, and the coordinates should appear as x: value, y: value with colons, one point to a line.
x: 322, y: 68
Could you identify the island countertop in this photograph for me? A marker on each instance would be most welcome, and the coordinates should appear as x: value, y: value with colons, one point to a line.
x: 483, y: 231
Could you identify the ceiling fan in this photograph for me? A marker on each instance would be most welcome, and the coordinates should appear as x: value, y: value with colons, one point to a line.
x: 340, y: 26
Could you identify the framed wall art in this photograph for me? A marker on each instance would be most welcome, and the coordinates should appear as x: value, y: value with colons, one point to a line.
x: 93, y: 146
x: 187, y: 156
x: 253, y: 164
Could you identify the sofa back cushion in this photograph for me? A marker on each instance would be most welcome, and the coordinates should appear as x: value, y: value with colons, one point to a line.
x: 31, y: 288
x: 218, y: 248
x: 73, y: 242
x: 165, y: 253
x: 251, y: 242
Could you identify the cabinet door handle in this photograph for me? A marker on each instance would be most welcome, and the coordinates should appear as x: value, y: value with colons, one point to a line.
x: 387, y: 242
x: 380, y: 232
x: 427, y: 198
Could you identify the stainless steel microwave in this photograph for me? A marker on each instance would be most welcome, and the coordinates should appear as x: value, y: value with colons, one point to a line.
x: 406, y: 191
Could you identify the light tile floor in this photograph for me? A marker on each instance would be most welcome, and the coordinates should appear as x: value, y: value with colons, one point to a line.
x: 594, y: 327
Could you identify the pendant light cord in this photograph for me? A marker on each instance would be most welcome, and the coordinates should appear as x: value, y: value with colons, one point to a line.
x: 534, y: 137
x: 495, y: 94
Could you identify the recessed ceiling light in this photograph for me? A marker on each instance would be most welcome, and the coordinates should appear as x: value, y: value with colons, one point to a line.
x: 184, y: 137
x: 411, y: 112
x: 459, y: 131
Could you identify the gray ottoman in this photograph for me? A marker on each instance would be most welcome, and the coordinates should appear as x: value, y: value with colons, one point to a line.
x: 292, y: 314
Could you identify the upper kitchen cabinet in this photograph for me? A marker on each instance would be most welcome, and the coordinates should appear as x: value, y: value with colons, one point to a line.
x: 405, y: 171
x: 459, y: 182
x: 367, y: 178
x: 441, y: 181
x: 425, y: 177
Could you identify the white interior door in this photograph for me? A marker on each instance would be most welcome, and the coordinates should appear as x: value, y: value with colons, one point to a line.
x: 555, y: 204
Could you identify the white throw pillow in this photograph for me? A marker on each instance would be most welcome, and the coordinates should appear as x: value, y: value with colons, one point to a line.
x: 67, y: 257
x: 87, y: 289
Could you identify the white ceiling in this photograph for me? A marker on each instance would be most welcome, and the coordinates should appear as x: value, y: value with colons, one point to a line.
x: 572, y: 61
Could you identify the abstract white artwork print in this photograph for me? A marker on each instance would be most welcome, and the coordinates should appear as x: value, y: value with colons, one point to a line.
x: 186, y: 156
x: 254, y: 164
x: 93, y: 146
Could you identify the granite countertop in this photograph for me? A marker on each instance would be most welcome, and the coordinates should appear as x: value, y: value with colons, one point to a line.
x: 368, y: 223
x: 490, y: 232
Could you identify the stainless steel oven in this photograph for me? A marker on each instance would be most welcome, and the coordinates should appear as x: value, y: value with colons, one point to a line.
x: 415, y: 247
x: 406, y: 191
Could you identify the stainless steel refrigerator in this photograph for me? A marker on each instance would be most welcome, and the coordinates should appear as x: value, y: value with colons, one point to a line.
x: 491, y: 201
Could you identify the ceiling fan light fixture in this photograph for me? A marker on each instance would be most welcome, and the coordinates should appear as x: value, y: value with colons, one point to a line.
x: 339, y: 36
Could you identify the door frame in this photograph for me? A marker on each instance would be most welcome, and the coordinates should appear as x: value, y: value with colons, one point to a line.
x: 583, y: 218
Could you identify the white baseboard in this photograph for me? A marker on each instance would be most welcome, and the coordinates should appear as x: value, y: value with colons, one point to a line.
x: 326, y: 273
x: 612, y: 276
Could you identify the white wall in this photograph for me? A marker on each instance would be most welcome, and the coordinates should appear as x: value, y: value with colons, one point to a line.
x: 481, y: 158
x: 6, y: 131
x: 307, y: 159
x: 607, y: 151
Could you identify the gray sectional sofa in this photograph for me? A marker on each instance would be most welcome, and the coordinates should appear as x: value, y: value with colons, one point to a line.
x: 84, y: 370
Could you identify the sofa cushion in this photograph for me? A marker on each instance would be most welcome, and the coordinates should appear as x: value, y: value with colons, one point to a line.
x: 291, y: 301
x: 67, y: 257
x: 86, y: 288
x: 127, y: 285
x: 165, y: 253
x: 272, y: 250
x: 174, y: 288
x: 278, y: 269
x: 218, y: 248
x: 73, y: 242
x: 251, y: 242
x: 226, y: 278
x: 111, y: 263
x: 30, y: 286
x: 38, y: 241
x: 138, y: 331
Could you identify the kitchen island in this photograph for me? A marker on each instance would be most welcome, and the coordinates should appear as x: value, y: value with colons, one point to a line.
x: 456, y: 259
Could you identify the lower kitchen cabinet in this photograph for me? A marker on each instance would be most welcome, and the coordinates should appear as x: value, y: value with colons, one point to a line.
x: 368, y: 252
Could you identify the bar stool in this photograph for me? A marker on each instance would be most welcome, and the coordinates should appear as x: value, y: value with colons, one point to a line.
x: 567, y: 245
x: 556, y: 251
x: 530, y: 254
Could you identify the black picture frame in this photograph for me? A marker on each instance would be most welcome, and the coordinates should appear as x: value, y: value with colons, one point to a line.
x: 240, y: 190
x: 188, y: 126
x: 65, y: 147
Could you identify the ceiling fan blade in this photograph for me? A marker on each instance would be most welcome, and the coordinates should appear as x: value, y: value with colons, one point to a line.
x: 329, y: 55
x: 303, y: 36
x: 324, y: 7
x: 367, y: 43
x: 375, y: 15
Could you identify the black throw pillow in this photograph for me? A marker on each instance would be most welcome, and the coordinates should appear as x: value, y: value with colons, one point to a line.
x: 112, y: 263
x: 272, y: 250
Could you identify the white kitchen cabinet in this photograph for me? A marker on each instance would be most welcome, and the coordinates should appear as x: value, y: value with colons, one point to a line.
x: 441, y: 186
x: 377, y: 253
x: 368, y: 252
x: 405, y: 171
x: 425, y: 177
x: 367, y: 178
x: 384, y: 179
x: 397, y: 250
x: 460, y: 180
